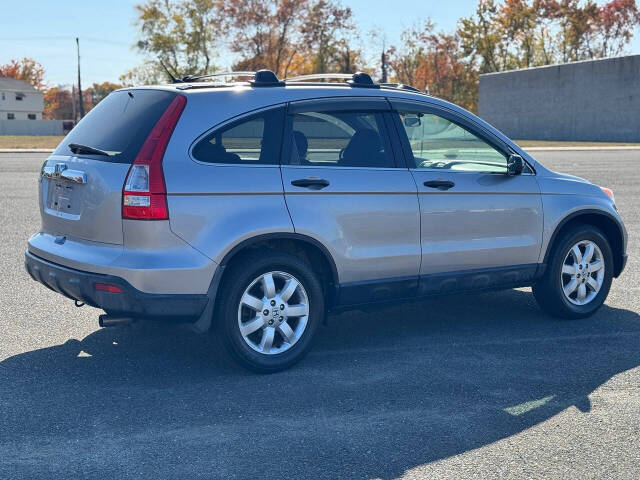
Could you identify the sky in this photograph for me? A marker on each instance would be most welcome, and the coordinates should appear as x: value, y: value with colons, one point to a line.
x: 45, y: 30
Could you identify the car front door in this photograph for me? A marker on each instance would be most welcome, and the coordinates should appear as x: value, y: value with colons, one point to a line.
x: 480, y: 226
x: 344, y: 188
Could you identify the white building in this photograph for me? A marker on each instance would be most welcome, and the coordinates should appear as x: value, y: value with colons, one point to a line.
x: 19, y: 100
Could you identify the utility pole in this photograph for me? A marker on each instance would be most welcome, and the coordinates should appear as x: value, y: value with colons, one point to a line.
x: 384, y: 62
x: 80, y: 102
x: 74, y: 114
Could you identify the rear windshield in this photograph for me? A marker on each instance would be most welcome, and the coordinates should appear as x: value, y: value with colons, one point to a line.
x: 119, y: 124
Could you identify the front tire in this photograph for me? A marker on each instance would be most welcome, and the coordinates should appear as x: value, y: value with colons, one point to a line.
x: 271, y: 305
x: 578, y: 275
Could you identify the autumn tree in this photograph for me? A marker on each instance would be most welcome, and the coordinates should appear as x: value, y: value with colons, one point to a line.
x: 508, y: 35
x: 527, y: 33
x: 180, y: 34
x: 265, y: 33
x: 306, y: 36
x: 617, y: 20
x: 149, y: 73
x: 58, y: 103
x: 286, y: 36
x: 327, y: 31
x: 576, y: 22
x: 432, y: 60
x: 27, y: 70
x: 480, y: 37
x: 518, y: 20
x: 98, y: 91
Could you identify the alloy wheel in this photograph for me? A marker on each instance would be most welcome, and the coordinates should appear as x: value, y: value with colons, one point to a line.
x: 582, y: 272
x: 273, y: 312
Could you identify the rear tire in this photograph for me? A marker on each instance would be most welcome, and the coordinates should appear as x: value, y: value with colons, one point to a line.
x: 578, y: 275
x: 271, y: 305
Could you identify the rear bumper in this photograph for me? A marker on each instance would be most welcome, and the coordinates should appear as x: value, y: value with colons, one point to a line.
x: 79, y: 285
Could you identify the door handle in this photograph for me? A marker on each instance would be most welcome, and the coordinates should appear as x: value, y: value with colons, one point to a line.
x: 312, y: 183
x: 439, y: 184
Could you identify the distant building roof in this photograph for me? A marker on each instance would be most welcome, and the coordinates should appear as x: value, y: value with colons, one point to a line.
x: 8, y: 83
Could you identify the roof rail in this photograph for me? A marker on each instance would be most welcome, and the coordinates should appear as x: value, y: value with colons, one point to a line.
x: 403, y: 86
x: 261, y: 78
x: 358, y: 79
x: 266, y: 78
x: 193, y: 78
x: 320, y: 76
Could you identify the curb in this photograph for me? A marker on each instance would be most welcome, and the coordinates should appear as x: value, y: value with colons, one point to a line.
x: 580, y: 149
x: 26, y: 150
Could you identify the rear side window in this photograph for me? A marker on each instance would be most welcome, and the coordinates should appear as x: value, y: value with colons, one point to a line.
x: 253, y: 140
x: 340, y: 139
x: 119, y: 124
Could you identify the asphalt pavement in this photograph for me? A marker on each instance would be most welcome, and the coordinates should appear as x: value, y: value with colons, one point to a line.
x: 474, y: 386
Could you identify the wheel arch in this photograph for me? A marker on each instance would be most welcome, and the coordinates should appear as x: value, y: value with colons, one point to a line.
x: 598, y: 218
x: 314, y: 251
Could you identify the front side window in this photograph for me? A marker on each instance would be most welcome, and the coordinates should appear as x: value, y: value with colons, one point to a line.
x: 11, y: 116
x: 252, y: 140
x: 31, y: 116
x: 340, y: 139
x: 437, y: 143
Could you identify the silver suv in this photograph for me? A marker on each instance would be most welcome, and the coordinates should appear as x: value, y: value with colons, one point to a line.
x: 259, y: 206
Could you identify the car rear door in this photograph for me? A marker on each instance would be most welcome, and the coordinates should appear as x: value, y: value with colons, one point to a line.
x: 231, y: 188
x: 344, y: 188
x: 479, y: 226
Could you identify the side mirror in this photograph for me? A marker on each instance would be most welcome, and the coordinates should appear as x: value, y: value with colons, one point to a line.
x: 515, y: 165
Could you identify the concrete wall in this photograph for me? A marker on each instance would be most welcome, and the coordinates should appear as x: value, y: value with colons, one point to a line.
x: 31, y: 127
x: 583, y: 101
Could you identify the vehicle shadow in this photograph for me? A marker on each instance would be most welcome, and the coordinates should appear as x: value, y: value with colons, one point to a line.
x: 382, y: 392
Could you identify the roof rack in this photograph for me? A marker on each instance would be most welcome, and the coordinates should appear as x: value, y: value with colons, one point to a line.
x: 266, y: 78
x: 261, y: 78
x: 193, y: 78
x: 320, y: 76
x: 403, y: 86
x: 358, y: 79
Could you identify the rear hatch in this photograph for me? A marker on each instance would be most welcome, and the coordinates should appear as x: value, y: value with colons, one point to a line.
x: 82, y: 181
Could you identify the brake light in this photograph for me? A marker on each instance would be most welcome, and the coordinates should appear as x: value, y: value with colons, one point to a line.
x: 144, y: 195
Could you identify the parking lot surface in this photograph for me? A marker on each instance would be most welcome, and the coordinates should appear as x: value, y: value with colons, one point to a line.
x: 475, y: 386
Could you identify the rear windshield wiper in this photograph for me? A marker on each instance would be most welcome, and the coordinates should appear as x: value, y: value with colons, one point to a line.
x: 78, y: 148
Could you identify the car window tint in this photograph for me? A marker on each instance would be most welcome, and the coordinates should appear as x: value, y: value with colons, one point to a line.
x: 343, y: 139
x: 119, y: 124
x: 251, y: 140
x: 437, y: 143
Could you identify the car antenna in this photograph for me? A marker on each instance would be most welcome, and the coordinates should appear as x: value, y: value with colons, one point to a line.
x: 173, y: 79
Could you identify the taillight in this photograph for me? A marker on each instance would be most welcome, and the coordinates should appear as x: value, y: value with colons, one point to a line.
x: 144, y: 195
